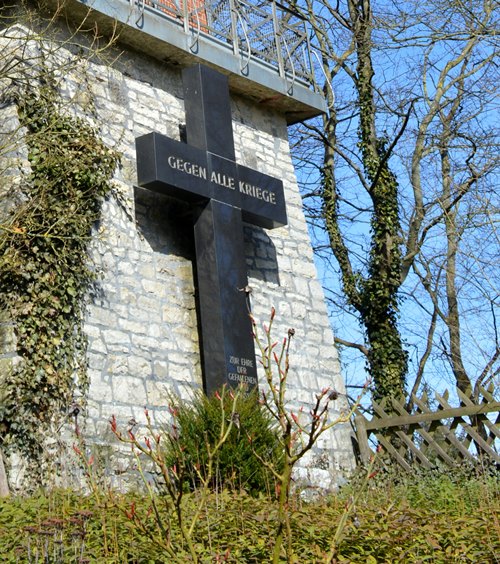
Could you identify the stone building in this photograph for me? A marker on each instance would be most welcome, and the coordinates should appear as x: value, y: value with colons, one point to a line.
x: 141, y: 323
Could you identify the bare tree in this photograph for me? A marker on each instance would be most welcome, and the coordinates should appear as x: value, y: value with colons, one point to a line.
x: 399, y: 176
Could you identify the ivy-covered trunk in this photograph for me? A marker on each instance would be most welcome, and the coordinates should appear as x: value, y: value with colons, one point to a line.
x: 387, y: 358
x: 373, y: 294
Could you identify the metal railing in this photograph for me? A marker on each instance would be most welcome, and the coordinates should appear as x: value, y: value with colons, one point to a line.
x: 263, y: 31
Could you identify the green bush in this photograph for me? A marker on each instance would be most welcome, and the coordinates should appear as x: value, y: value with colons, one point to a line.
x: 60, y: 526
x: 438, y: 488
x: 387, y: 526
x: 237, y: 465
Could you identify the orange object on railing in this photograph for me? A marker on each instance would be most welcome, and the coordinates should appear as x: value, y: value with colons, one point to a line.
x: 197, y: 15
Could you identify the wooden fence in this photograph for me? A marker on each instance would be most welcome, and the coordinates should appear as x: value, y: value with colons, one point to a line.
x: 425, y: 436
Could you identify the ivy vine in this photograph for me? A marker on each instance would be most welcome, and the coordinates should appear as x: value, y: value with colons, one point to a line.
x: 45, y: 273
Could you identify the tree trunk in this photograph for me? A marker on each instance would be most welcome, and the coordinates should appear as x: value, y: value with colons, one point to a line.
x: 375, y: 296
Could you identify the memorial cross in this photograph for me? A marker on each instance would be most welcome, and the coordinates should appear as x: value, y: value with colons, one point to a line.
x: 204, y: 172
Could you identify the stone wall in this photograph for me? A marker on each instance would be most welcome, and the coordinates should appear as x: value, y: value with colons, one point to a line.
x: 142, y: 322
x: 13, y: 164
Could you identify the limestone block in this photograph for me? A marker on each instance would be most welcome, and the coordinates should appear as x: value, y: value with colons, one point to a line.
x: 100, y: 389
x: 160, y: 369
x: 139, y: 367
x: 113, y: 337
x: 127, y: 389
x: 157, y: 393
x: 144, y: 343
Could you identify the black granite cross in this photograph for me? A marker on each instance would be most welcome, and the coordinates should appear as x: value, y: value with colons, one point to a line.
x: 203, y: 171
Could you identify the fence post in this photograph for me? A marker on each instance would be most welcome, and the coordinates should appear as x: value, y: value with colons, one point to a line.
x: 362, y: 437
x: 4, y: 484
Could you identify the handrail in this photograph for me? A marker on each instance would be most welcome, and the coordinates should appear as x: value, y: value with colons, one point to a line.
x: 294, y: 76
x: 244, y: 66
x: 140, y: 9
x: 195, y: 36
x: 327, y: 80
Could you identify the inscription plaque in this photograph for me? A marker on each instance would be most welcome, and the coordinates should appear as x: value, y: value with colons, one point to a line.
x: 223, y: 193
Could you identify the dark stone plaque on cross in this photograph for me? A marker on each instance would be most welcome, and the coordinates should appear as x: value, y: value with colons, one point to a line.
x: 224, y: 194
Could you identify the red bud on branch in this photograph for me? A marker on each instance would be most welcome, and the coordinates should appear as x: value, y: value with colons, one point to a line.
x: 130, y: 514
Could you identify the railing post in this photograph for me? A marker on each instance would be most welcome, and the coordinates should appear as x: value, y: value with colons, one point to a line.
x: 233, y: 10
x: 185, y: 10
x: 277, y: 36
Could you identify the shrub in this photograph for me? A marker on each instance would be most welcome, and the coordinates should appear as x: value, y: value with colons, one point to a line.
x: 387, y: 526
x: 198, y: 424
